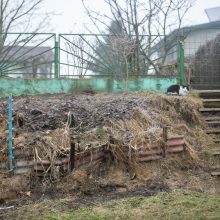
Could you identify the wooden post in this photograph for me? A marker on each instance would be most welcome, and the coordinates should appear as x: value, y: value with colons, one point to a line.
x: 165, y: 138
x: 72, y: 155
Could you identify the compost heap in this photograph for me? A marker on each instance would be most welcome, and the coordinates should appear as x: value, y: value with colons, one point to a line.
x: 45, y: 125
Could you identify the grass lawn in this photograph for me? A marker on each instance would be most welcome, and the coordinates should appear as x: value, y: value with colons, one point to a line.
x: 176, y: 205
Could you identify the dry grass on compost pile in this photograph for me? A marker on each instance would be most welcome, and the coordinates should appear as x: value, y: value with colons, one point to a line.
x: 125, y: 123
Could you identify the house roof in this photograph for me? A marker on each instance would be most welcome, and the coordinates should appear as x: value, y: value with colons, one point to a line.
x: 21, y: 53
x: 213, y: 14
x: 185, y: 31
x: 209, y: 25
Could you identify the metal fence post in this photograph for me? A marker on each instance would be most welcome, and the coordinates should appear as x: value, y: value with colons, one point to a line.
x: 56, y: 58
x: 181, y: 74
x: 10, y: 128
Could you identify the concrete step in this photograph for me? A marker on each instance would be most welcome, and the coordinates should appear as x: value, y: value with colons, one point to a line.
x: 212, y: 118
x: 213, y: 131
x: 209, y: 110
x: 213, y: 123
x: 211, y: 100
x: 211, y: 103
x: 215, y: 167
x: 215, y: 151
x: 208, y: 94
x: 216, y: 140
x: 215, y: 173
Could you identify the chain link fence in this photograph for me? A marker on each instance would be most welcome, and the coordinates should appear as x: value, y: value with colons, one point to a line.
x: 202, y: 59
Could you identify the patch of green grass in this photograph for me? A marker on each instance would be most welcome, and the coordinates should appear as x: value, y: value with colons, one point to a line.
x: 134, y: 202
x: 181, y: 205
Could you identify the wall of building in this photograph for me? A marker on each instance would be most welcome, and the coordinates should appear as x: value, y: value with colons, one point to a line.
x: 51, y: 86
x: 193, y: 41
x: 198, y: 38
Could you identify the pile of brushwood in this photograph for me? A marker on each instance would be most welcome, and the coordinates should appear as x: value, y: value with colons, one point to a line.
x: 44, y: 126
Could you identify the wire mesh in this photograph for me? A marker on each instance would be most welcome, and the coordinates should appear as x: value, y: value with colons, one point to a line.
x: 27, y: 55
x: 120, y: 56
x: 36, y: 55
x: 202, y: 59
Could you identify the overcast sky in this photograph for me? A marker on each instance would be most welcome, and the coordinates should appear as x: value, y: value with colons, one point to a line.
x: 72, y: 16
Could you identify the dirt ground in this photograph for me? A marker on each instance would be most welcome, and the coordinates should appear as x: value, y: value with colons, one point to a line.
x: 179, y: 204
x: 44, y: 126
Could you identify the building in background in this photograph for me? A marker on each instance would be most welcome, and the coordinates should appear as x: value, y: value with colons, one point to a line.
x: 193, y: 37
x: 27, y: 62
x: 213, y: 14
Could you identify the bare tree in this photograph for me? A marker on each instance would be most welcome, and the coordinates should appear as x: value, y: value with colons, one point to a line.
x: 20, y: 16
x: 170, y: 15
x: 144, y: 21
x: 123, y: 47
x: 79, y: 55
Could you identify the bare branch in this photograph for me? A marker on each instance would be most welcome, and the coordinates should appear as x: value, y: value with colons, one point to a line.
x: 138, y: 18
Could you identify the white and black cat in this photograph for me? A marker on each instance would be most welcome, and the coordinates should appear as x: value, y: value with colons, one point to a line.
x: 178, y: 90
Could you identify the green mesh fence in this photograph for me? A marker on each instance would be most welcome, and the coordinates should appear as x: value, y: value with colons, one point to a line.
x: 118, y: 56
x: 41, y: 55
x: 202, y: 58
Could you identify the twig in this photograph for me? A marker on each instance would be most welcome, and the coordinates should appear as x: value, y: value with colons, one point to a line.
x: 6, y: 208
